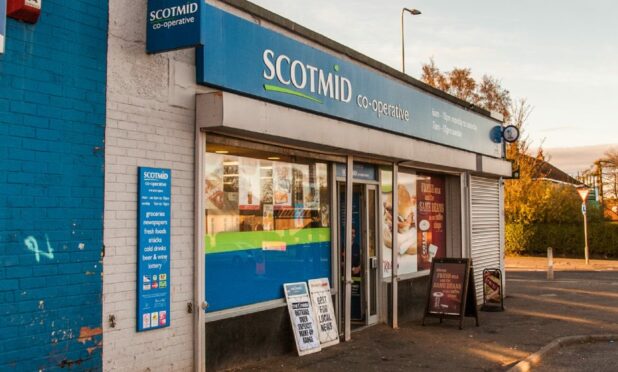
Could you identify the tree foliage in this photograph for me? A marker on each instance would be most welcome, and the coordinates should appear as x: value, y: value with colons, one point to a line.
x: 529, y: 199
x: 487, y: 93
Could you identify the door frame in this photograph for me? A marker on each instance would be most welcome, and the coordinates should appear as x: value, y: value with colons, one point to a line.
x: 344, y: 315
x: 371, y: 319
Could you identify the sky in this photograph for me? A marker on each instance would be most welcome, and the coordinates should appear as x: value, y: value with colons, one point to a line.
x: 561, y: 56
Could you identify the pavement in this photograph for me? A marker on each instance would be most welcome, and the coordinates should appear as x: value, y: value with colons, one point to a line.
x: 581, y: 300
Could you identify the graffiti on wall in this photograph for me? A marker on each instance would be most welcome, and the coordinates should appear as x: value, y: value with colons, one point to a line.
x: 33, y: 245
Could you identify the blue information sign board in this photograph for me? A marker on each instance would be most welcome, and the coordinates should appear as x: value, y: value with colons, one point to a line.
x: 361, y: 171
x: 173, y: 24
x: 153, y: 261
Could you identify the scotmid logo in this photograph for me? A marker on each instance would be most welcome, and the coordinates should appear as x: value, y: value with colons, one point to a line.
x: 303, y: 80
x: 174, y: 15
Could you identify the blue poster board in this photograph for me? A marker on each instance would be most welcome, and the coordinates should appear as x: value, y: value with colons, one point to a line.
x: 153, y: 261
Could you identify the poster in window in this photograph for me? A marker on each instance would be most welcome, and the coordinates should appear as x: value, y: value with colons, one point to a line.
x: 282, y: 184
x: 431, y: 233
x: 266, y: 181
x: 405, y: 225
x: 311, y: 196
x: 249, y: 184
x: 268, y: 220
x: 213, y: 188
x: 230, y: 178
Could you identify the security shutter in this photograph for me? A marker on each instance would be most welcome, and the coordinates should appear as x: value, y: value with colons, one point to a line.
x: 486, y: 222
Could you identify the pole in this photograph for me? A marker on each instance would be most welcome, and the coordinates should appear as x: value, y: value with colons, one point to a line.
x: 395, y: 256
x: 550, y: 264
x: 585, y: 234
x: 349, y: 182
x: 403, y: 53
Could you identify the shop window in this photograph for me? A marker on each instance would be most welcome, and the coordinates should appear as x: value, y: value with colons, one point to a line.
x: 419, y: 224
x: 267, y: 223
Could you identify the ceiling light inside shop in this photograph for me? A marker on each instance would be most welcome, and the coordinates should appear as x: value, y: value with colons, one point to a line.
x: 222, y: 152
x: 274, y: 158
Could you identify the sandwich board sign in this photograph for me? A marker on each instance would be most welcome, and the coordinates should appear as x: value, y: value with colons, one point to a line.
x: 301, y: 317
x: 324, y: 312
x: 451, y: 294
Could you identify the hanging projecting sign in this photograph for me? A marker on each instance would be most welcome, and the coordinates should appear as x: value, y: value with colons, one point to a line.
x: 301, y: 316
x: 173, y: 24
x: 324, y: 312
x: 242, y: 56
x: 153, y: 252
x: 2, y: 24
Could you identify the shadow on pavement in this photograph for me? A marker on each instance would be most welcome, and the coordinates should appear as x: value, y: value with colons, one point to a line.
x: 537, y: 312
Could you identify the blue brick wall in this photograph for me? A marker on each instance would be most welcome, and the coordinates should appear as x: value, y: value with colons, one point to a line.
x: 52, y: 121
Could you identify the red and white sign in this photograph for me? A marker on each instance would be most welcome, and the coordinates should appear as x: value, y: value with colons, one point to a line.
x: 583, y: 193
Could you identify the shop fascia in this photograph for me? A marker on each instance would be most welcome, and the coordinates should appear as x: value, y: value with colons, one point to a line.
x: 293, y: 72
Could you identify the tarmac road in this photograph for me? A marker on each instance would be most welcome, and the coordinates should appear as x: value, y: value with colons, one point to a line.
x: 537, y: 312
x: 598, y: 357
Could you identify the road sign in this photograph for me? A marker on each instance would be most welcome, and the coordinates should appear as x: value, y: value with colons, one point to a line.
x: 583, y: 208
x: 583, y: 193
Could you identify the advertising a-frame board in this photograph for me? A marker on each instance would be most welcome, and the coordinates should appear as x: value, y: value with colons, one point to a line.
x: 451, y: 293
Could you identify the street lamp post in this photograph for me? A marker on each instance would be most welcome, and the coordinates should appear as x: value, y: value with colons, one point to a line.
x: 403, y: 47
x: 583, y: 193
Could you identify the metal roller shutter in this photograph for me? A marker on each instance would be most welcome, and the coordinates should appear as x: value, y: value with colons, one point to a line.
x: 486, y: 222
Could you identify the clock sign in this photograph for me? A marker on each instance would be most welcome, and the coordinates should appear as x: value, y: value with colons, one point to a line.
x: 510, y: 133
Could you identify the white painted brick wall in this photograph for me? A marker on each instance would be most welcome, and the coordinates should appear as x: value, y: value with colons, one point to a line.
x: 146, y: 126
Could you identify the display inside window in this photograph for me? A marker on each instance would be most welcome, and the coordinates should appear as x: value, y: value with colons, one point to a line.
x: 267, y: 223
x: 419, y: 223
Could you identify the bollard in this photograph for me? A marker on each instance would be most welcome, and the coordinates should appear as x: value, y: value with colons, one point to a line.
x: 550, y: 264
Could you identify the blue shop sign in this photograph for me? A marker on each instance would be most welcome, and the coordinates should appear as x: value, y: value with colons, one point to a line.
x: 365, y: 172
x: 173, y: 24
x: 243, y: 57
x: 153, y: 262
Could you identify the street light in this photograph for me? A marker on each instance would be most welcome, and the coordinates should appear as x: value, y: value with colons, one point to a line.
x: 403, y: 47
x: 583, y: 191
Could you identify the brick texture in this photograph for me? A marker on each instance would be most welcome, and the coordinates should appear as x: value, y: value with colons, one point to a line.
x: 147, y: 125
x: 52, y: 121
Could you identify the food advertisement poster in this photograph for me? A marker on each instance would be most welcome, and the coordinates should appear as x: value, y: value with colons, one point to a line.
x: 404, y: 223
x: 447, y: 286
x: 266, y: 182
x: 282, y: 184
x: 430, y: 210
x: 213, y: 171
x: 492, y: 284
x: 249, y: 188
x: 268, y: 217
